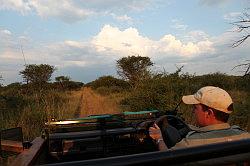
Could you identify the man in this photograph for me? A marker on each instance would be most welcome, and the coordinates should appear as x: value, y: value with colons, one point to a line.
x: 212, y: 107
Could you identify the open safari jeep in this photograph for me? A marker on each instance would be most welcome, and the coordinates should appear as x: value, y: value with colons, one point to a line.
x: 120, y: 139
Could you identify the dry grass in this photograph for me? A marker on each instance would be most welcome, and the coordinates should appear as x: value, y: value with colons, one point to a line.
x: 40, y: 109
x: 58, y: 105
x: 67, y: 108
x: 94, y: 103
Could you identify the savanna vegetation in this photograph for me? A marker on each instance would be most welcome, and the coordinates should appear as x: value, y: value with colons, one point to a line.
x: 163, y: 91
x: 30, y: 104
x: 37, y: 100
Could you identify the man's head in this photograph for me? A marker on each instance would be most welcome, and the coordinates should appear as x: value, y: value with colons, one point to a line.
x: 211, y: 105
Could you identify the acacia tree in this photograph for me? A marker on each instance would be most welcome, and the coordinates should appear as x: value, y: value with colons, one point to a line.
x: 37, y: 74
x: 134, y: 68
x: 243, y: 26
x: 1, y: 78
x: 62, y: 80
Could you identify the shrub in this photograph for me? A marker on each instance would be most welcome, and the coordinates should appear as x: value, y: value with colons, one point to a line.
x: 109, y: 82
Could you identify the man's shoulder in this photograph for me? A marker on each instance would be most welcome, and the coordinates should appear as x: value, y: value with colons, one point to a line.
x: 201, y: 137
x: 216, y: 133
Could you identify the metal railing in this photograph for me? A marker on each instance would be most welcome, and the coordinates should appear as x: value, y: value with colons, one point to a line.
x: 218, y: 153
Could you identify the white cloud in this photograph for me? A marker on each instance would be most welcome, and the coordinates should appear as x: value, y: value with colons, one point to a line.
x: 214, y: 2
x: 232, y: 16
x: 129, y: 41
x: 17, y: 5
x: 104, y: 49
x: 5, y: 39
x: 126, y: 42
x: 11, y: 55
x: 72, y: 11
x: 73, y: 44
x: 197, y: 35
x: 202, y: 54
x: 123, y: 18
x: 76, y: 63
x: 116, y: 5
x: 6, y: 32
x: 177, y: 24
x: 63, y: 9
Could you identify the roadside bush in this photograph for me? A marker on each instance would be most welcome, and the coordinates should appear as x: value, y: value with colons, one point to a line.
x: 162, y: 92
x: 109, y: 82
x: 217, y: 79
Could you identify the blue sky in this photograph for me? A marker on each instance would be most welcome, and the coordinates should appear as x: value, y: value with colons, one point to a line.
x: 84, y: 38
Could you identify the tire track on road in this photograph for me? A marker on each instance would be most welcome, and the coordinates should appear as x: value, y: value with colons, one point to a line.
x: 93, y: 104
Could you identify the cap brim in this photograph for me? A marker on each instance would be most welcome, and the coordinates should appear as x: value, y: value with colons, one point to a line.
x: 190, y: 99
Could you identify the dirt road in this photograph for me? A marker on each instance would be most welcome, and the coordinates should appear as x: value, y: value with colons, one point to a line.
x: 93, y: 103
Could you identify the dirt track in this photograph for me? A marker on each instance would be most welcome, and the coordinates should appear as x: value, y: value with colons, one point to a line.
x: 92, y: 104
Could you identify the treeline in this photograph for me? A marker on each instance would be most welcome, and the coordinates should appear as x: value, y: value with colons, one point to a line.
x: 37, y: 81
x: 163, y: 91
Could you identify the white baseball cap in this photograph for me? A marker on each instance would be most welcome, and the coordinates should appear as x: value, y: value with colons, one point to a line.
x: 210, y: 96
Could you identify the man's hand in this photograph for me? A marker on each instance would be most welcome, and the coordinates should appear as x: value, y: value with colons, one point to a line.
x: 155, y: 132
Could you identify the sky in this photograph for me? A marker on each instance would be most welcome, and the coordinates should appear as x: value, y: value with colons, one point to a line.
x: 83, y: 39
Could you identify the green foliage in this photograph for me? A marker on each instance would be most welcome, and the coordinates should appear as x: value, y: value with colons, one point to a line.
x: 62, y: 79
x: 134, y: 68
x: 217, y: 79
x: 69, y: 85
x: 243, y: 83
x: 12, y: 89
x: 1, y: 78
x: 31, y: 111
x: 164, y: 92
x: 30, y: 105
x: 66, y: 84
x: 109, y: 84
x: 37, y: 74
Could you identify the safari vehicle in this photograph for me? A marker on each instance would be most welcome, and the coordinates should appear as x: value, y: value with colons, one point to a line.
x: 122, y: 139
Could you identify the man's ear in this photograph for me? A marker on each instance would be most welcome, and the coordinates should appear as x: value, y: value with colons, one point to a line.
x: 210, y: 112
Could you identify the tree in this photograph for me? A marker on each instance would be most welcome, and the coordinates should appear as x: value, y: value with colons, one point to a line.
x: 62, y: 79
x: 1, y: 78
x: 134, y: 68
x: 246, y: 67
x: 109, y: 81
x: 243, y: 26
x: 37, y: 74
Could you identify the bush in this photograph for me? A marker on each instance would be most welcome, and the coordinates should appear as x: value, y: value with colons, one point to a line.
x: 217, y: 79
x: 109, y: 82
x: 161, y: 92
